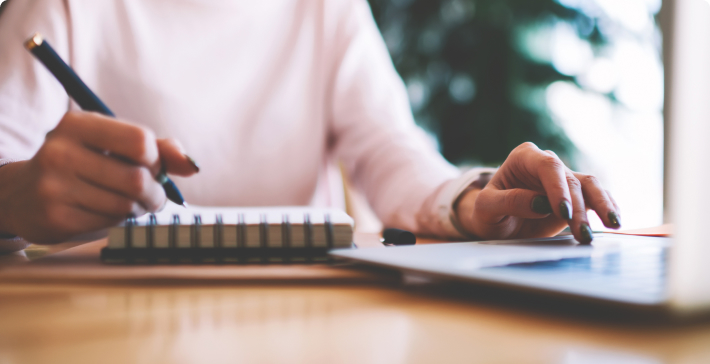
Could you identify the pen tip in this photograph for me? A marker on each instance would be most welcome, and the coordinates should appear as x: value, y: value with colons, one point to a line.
x: 184, y: 204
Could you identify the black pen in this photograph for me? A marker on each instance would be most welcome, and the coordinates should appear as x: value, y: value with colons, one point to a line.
x: 87, y: 100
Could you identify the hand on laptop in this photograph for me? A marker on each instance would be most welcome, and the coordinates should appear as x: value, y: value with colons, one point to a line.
x: 534, y: 194
x: 72, y: 185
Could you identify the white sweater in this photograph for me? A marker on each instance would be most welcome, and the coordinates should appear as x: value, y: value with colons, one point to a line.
x: 266, y: 95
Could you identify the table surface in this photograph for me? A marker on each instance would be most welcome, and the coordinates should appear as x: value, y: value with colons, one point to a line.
x: 226, y: 322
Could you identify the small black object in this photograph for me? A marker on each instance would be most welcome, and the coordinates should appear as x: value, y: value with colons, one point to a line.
x: 398, y: 237
x: 173, y: 231
x: 218, y: 234
x: 196, y: 231
x: 150, y: 231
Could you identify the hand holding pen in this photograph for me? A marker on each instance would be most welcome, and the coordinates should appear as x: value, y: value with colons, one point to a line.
x: 90, y: 173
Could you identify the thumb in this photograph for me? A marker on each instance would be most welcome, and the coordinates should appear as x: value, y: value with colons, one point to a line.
x: 174, y: 159
x: 492, y: 205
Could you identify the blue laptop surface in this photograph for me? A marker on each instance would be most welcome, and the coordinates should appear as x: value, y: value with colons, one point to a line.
x: 624, y: 269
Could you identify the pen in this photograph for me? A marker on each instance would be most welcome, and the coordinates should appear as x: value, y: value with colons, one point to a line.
x: 87, y: 100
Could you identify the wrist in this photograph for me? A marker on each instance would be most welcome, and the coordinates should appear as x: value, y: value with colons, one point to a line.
x: 463, y: 211
x: 464, y: 205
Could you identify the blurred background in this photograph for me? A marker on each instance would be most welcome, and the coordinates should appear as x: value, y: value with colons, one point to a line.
x: 583, y: 78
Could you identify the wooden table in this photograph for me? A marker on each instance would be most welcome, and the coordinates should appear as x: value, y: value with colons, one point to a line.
x: 230, y: 322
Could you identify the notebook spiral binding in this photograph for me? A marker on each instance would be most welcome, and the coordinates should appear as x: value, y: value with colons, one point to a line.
x: 218, y: 253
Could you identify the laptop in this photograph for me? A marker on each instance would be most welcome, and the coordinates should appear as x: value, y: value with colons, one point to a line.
x: 670, y: 274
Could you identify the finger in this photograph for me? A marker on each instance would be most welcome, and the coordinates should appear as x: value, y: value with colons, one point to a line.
x: 70, y: 220
x: 174, y: 159
x: 80, y: 221
x: 552, y: 153
x: 134, y: 182
x: 103, y: 202
x: 597, y: 199
x: 493, y: 205
x: 552, y: 173
x: 579, y: 224
x: 129, y: 141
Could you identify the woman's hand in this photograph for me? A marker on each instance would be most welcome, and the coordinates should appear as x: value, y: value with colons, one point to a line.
x: 91, y: 173
x: 534, y: 194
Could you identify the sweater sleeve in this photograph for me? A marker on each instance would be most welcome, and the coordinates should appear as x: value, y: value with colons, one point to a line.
x: 405, y: 179
x: 31, y: 101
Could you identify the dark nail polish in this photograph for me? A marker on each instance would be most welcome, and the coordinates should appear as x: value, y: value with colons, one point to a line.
x: 614, y: 219
x: 192, y: 162
x: 566, y: 210
x: 585, y: 233
x: 541, y: 205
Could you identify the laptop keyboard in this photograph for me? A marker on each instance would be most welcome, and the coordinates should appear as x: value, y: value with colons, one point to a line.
x: 634, y: 270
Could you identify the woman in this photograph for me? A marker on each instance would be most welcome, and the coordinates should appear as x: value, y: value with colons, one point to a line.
x: 266, y: 95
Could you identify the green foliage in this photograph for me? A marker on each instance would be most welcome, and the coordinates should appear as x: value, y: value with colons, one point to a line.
x: 469, y: 81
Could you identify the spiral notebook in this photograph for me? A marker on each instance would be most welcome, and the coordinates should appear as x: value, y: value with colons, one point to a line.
x: 230, y: 235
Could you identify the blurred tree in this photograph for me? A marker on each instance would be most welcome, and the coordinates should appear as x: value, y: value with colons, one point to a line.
x: 470, y: 81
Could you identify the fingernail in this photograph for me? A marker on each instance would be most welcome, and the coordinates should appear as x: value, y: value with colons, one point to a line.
x: 614, y: 219
x: 586, y: 233
x: 192, y: 162
x: 541, y: 205
x: 566, y: 210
